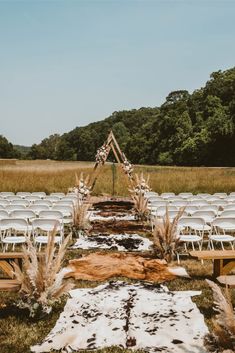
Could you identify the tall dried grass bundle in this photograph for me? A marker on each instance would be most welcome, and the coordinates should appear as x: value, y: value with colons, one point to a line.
x: 140, y: 208
x: 165, y: 239
x: 41, y: 277
x: 223, y: 336
x: 81, y: 217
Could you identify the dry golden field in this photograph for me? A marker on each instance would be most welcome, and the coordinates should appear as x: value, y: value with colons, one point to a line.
x: 52, y: 176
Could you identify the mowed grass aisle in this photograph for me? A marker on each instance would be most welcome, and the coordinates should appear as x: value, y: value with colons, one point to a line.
x: 51, y: 176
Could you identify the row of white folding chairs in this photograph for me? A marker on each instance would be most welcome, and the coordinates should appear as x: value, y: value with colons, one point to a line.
x: 38, y: 194
x: 64, y: 212
x: 189, y: 195
x: 220, y: 205
x: 14, y: 231
x: 208, y: 211
x: 25, y: 203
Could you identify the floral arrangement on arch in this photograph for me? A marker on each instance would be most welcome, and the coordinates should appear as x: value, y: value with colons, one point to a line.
x: 82, y: 188
x: 102, y: 154
x: 127, y: 166
x: 141, y: 184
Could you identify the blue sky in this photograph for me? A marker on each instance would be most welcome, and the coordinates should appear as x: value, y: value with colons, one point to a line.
x: 67, y: 63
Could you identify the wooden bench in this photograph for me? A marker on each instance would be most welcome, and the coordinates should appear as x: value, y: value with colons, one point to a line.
x: 7, y: 280
x: 223, y: 260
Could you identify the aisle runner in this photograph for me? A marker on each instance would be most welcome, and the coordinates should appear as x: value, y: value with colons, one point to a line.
x: 136, y: 316
x: 120, y: 242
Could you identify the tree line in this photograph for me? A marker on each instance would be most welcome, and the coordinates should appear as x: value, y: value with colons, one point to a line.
x: 195, y: 129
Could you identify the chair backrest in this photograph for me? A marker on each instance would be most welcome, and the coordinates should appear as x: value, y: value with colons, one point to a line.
x: 41, y: 194
x: 25, y: 214
x: 191, y: 209
x: 226, y: 207
x: 52, y: 199
x: 12, y: 198
x: 32, y: 198
x: 208, y: 216
x: 209, y: 208
x: 66, y: 210
x: 10, y: 208
x: 17, y: 224
x: 221, y: 195
x: 150, y: 194
x: 154, y: 198
x: 203, y: 195
x: 186, y: 195
x: 39, y: 208
x: 59, y: 194
x: 5, y: 194
x: 232, y: 194
x: 161, y: 211
x: 43, y: 202
x: 173, y: 214
x: 46, y: 224
x: 65, y: 203
x: 166, y: 195
x: 224, y: 223
x: 198, y: 203
x: 156, y: 204
x: 178, y: 204
x: 228, y: 213
x: 4, y: 214
x: 51, y: 214
x: 20, y: 202
x: 4, y: 202
x: 191, y: 222
x: 23, y: 194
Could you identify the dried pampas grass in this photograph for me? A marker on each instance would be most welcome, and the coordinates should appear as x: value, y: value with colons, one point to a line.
x: 41, y: 277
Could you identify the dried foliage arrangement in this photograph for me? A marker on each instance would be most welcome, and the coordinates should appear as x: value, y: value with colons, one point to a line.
x: 81, y: 222
x: 165, y: 237
x: 223, y: 336
x: 102, y: 154
x: 141, y: 184
x: 41, y: 277
x: 140, y: 208
x: 81, y: 188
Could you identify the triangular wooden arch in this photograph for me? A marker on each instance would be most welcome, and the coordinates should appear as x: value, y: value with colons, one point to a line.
x: 102, y: 155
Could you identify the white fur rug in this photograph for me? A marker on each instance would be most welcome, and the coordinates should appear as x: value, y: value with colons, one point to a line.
x: 117, y: 242
x: 135, y: 316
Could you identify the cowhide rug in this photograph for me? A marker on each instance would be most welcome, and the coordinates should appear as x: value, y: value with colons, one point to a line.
x: 134, y: 316
x: 100, y: 266
x: 118, y: 242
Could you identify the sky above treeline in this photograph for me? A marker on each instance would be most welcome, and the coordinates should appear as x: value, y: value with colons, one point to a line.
x: 68, y: 63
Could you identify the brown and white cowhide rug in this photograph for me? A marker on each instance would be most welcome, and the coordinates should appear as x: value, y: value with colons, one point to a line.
x: 135, y: 316
x: 102, y: 266
x: 118, y: 242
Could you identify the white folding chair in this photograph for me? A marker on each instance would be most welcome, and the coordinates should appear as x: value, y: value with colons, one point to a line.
x: 191, y: 231
x: 13, y: 231
x: 221, y: 195
x: 51, y: 214
x: 52, y: 199
x: 67, y: 212
x: 161, y: 211
x: 221, y: 227
x: 191, y: 209
x: 198, y: 203
x: 41, y: 227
